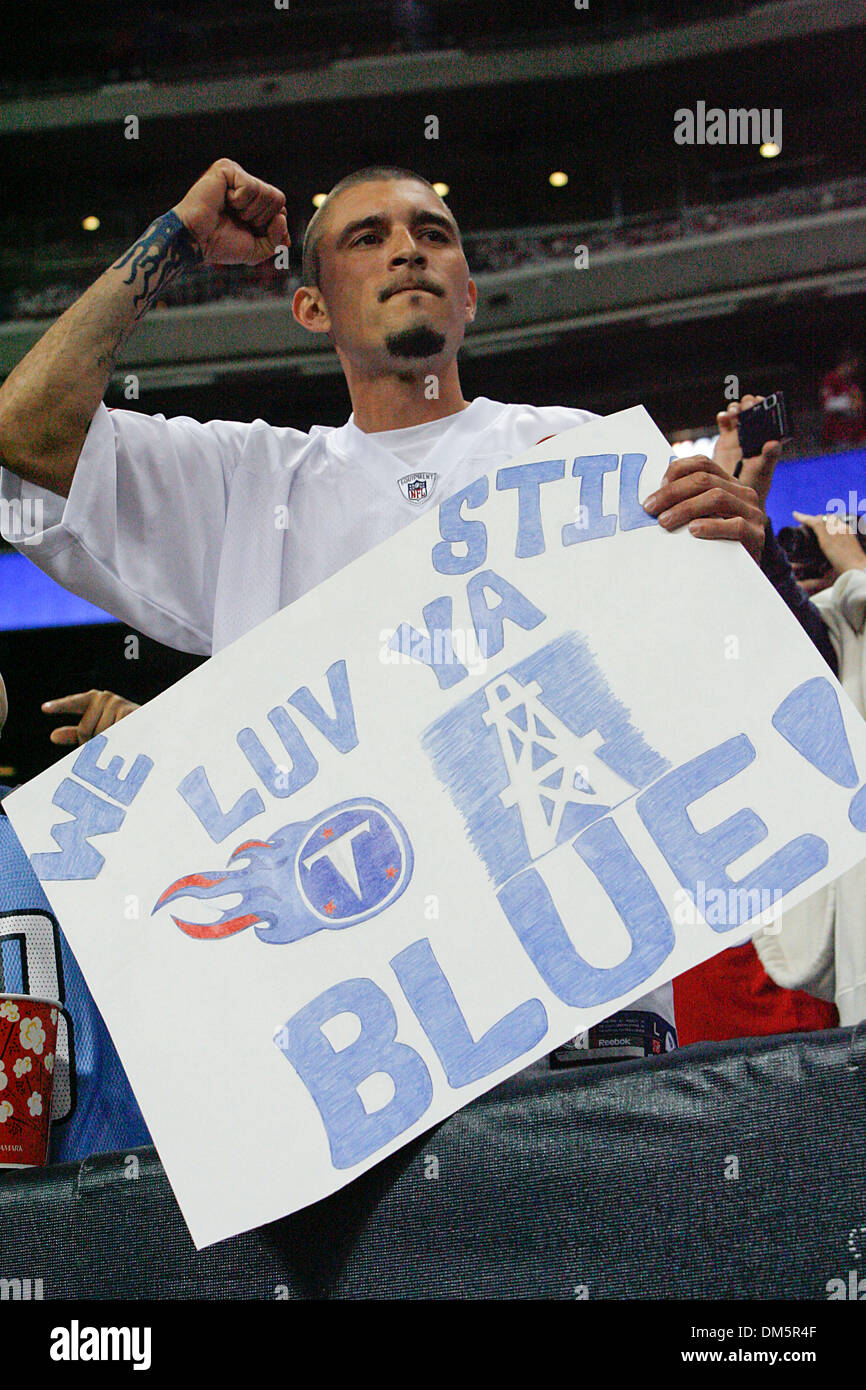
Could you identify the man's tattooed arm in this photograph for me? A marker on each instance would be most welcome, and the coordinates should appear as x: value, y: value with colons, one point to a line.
x: 158, y: 256
x: 49, y: 400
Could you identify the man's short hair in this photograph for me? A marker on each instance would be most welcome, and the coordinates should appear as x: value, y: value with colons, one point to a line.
x: 375, y: 173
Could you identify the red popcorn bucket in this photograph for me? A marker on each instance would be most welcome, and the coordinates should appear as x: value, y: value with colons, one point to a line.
x: 28, y: 1040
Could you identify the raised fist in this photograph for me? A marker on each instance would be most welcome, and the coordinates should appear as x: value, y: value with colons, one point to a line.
x: 233, y: 218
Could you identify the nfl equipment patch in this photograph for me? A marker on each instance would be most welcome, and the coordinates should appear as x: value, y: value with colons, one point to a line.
x: 417, y: 487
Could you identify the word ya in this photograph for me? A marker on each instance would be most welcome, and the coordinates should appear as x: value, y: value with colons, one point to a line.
x: 491, y: 599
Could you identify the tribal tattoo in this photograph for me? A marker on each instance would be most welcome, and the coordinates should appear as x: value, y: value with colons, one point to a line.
x: 160, y: 254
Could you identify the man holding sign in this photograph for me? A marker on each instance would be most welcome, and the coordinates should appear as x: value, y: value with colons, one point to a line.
x: 461, y: 868
x: 194, y: 533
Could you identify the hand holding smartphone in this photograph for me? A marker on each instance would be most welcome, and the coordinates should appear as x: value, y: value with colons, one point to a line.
x: 760, y: 423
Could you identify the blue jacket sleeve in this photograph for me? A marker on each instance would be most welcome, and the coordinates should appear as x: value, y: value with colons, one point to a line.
x: 775, y: 566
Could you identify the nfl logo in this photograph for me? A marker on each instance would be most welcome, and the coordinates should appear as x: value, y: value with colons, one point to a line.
x: 417, y: 487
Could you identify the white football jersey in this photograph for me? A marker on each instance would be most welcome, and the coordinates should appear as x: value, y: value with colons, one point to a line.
x: 194, y: 533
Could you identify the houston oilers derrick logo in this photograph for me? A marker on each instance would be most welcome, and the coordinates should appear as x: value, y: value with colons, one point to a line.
x: 347, y: 864
x: 539, y: 753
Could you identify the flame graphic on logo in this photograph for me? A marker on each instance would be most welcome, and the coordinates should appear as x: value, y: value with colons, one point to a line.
x: 339, y: 868
x: 252, y: 882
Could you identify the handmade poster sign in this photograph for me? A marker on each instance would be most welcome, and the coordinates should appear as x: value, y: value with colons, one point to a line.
x: 525, y: 761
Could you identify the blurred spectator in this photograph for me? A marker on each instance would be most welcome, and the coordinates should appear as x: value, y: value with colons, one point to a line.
x: 98, y: 1112
x: 820, y: 945
x: 122, y: 53
x: 842, y: 402
x: 159, y: 37
x: 843, y: 545
x: 414, y: 24
x: 734, y: 994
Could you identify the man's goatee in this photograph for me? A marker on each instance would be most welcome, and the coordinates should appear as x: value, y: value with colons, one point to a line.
x: 420, y: 341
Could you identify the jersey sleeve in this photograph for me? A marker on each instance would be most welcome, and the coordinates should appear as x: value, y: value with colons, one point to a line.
x: 141, y: 532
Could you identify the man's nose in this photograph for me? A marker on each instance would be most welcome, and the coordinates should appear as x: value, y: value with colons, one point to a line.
x: 406, y: 250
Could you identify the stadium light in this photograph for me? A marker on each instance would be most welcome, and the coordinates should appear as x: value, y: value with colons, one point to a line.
x: 442, y: 189
x: 318, y: 199
x: 770, y: 149
x: 90, y: 224
x: 558, y: 179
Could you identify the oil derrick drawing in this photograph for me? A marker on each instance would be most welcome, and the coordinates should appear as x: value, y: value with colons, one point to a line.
x: 549, y: 766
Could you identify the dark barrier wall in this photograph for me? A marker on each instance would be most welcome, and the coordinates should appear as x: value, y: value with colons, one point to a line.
x: 728, y: 1170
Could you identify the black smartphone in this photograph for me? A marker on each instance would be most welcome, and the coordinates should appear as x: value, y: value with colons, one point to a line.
x: 766, y: 420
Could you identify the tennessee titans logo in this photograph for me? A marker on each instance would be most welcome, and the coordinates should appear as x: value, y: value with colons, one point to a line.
x: 349, y: 863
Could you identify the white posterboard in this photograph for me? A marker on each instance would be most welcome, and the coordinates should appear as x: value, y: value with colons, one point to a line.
x: 525, y: 761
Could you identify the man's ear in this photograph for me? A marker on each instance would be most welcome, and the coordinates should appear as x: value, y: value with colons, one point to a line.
x: 471, y: 300
x: 309, y: 309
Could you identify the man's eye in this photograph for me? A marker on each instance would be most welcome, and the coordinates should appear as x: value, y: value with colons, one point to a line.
x: 366, y: 236
x: 438, y: 233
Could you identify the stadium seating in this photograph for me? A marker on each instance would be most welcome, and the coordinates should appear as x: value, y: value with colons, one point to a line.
x: 727, y: 1170
x: 487, y: 252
